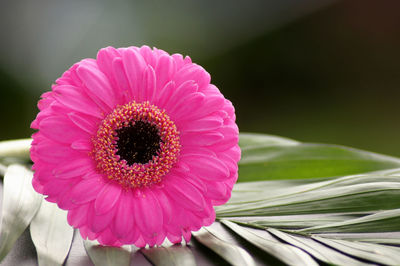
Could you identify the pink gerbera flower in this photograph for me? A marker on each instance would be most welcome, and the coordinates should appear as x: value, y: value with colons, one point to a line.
x: 136, y: 145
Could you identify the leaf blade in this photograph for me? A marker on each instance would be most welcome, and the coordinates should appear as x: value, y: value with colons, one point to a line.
x: 383, y: 221
x: 172, y: 255
x: 316, y: 249
x: 18, y: 148
x: 331, y: 196
x: 286, y: 253
x: 373, y: 252
x: 231, y: 253
x: 104, y: 256
x: 266, y: 157
x: 51, y: 234
x: 20, y: 204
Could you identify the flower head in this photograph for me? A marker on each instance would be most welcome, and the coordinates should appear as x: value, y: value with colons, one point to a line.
x: 136, y: 145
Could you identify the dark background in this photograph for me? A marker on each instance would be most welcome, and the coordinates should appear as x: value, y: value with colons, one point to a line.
x: 315, y: 71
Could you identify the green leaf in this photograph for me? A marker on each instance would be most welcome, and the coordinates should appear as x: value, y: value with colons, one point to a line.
x: 294, y: 221
x: 15, y: 148
x: 389, y: 238
x: 231, y: 253
x: 311, y: 213
x: 248, y: 141
x: 259, y: 256
x: 51, y: 234
x: 286, y: 253
x: 171, y: 255
x: 316, y: 249
x: 267, y: 157
x: 105, y: 256
x: 346, y: 194
x: 384, y: 221
x: 373, y: 252
x: 20, y: 204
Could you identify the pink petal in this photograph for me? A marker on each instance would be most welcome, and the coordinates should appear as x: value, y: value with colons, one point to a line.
x: 69, y: 77
x: 107, y: 197
x: 231, y: 163
x: 86, y: 233
x: 82, y: 145
x: 42, y: 115
x: 148, y: 55
x: 148, y: 214
x: 105, y: 59
x: 194, y: 220
x: 86, y: 123
x: 187, y: 103
x: 203, y: 124
x: 121, y: 79
x: 60, y: 129
x: 201, y: 139
x: 165, y: 205
x: 151, y: 241
x: 78, y: 216
x: 134, y: 65
x: 186, y: 88
x: 107, y: 238
x: 175, y: 238
x: 191, y: 109
x: 98, y: 86
x: 210, y: 217
x: 187, y: 235
x: 217, y: 191
x: 43, y: 175
x: 45, y: 101
x: 231, y: 138
x: 131, y: 237
x: 184, y: 193
x: 197, y: 150
x: 56, y: 187
x: 64, y: 200
x: 228, y: 107
x: 54, y: 153
x: 86, y: 190
x: 140, y: 242
x: 149, y: 84
x: 162, y: 98
x: 124, y: 223
x: 165, y: 70
x: 160, y: 238
x: 235, y: 153
x: 211, y: 104
x: 178, y: 59
x: 193, y: 72
x: 99, y: 222
x: 37, y: 186
x: 197, y: 183
x: 207, y: 168
x: 75, y: 99
x: 74, y: 168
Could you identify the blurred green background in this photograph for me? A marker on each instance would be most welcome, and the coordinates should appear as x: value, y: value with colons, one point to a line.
x: 316, y: 71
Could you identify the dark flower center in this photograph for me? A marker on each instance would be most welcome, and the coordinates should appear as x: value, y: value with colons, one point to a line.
x: 138, y: 143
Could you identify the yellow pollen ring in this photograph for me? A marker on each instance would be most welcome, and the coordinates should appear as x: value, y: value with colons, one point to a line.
x: 137, y: 175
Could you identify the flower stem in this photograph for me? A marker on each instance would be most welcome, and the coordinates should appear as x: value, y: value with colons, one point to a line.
x: 15, y: 148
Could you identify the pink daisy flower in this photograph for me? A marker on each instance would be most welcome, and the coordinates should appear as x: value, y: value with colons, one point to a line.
x: 136, y: 145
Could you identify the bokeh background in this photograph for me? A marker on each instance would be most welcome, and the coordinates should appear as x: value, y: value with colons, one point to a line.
x: 312, y: 70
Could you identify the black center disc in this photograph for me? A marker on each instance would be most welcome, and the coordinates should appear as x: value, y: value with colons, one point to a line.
x: 138, y: 143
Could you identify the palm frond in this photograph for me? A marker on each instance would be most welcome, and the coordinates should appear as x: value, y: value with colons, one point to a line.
x: 296, y: 204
